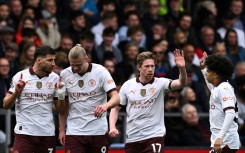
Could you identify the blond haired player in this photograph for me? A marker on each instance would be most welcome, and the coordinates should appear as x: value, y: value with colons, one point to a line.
x: 83, y: 126
x: 144, y: 97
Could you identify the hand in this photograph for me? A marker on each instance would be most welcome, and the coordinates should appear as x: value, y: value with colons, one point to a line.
x: 62, y: 137
x: 217, y: 145
x: 113, y: 133
x: 60, y: 89
x: 20, y: 85
x: 179, y: 58
x: 99, y: 110
x: 203, y: 60
x: 59, y: 84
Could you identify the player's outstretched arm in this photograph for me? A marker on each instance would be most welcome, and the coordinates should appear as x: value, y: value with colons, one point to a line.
x: 10, y: 98
x: 180, y: 63
x: 113, y: 120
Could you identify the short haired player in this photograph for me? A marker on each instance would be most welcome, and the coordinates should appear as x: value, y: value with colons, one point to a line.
x: 217, y: 70
x: 83, y: 126
x: 34, y: 92
x: 144, y: 100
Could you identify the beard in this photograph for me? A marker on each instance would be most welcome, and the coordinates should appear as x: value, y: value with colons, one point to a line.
x: 47, y: 70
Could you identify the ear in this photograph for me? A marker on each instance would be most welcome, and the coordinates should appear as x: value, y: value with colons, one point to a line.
x: 86, y: 58
x: 138, y: 67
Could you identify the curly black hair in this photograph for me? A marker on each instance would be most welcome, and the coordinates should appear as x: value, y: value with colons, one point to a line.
x: 220, y: 65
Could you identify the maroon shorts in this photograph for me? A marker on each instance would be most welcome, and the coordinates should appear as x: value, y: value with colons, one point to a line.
x: 34, y: 144
x: 226, y: 149
x: 151, y: 145
x: 86, y: 144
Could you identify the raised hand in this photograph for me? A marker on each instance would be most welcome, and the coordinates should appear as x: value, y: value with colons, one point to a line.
x: 20, y: 85
x: 179, y: 58
x: 59, y: 84
x: 203, y: 60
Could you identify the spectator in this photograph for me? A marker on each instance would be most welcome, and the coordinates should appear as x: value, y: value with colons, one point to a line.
x: 27, y: 55
x: 189, y: 97
x: 219, y: 49
x: 66, y: 43
x: 26, y: 23
x: 12, y: 55
x: 109, y: 19
x: 7, y: 36
x: 151, y: 16
x: 128, y: 66
x: 47, y: 32
x: 108, y: 37
x: 207, y: 41
x: 162, y: 66
x: 196, y: 132
x: 174, y: 125
x: 61, y: 62
x: 135, y: 33
x: 234, y: 51
x: 159, y: 32
x: 16, y: 9
x: 229, y: 20
x: 236, y: 7
x: 78, y: 25
x: 4, y: 80
x: 87, y: 41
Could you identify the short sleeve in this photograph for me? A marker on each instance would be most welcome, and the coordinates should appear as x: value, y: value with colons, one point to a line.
x: 227, y: 98
x: 108, y: 82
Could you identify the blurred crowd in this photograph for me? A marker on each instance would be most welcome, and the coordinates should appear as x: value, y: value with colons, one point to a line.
x: 114, y: 32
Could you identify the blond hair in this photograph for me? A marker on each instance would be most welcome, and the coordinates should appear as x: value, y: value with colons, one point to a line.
x: 145, y: 55
x: 77, y: 52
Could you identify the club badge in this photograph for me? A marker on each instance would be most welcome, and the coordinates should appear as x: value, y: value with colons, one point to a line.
x: 143, y: 92
x: 80, y: 83
x: 39, y: 85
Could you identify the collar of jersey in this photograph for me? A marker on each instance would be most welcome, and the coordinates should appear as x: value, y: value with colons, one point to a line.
x: 150, y: 82
x: 88, y: 70
x: 33, y: 73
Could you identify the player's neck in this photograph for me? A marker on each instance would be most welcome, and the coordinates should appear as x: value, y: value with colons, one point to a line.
x: 144, y: 79
x: 38, y: 71
x: 217, y: 82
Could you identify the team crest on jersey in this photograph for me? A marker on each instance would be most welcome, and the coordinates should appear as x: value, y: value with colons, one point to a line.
x: 80, y: 83
x: 39, y: 85
x: 92, y: 82
x: 143, y: 92
x: 49, y: 85
x: 152, y: 91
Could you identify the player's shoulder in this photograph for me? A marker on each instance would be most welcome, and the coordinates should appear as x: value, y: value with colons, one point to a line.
x: 97, y: 67
x: 161, y: 80
x: 66, y: 71
x: 53, y: 74
x: 23, y: 72
x: 225, y: 85
x: 130, y: 82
